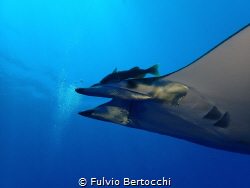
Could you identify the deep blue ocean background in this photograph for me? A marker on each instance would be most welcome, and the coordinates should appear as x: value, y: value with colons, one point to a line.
x: 50, y: 47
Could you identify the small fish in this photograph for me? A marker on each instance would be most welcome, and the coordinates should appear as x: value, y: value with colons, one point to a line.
x: 135, y: 72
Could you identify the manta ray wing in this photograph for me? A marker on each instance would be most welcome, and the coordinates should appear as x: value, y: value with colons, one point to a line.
x: 222, y: 76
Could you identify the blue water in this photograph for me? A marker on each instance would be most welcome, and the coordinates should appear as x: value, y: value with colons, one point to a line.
x: 48, y: 48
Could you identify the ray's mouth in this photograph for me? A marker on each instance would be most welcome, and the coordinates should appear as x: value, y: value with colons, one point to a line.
x: 123, y: 92
x: 116, y: 111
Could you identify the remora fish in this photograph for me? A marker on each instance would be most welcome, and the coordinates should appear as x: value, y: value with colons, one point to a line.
x: 135, y: 72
